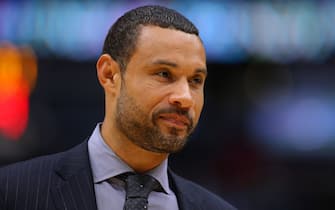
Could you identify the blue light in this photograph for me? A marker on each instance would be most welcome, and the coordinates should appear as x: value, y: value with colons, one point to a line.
x: 300, y: 124
x: 231, y: 31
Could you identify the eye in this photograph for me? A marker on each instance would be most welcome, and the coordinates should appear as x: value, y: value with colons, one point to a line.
x: 164, y: 74
x: 197, y: 80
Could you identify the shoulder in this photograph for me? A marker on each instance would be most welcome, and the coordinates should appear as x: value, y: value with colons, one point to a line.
x: 29, y: 183
x: 34, y: 165
x: 46, y: 164
x: 22, y: 182
x: 199, y: 195
x: 29, y: 168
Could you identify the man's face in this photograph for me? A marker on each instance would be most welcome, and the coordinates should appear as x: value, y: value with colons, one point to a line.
x: 161, y: 94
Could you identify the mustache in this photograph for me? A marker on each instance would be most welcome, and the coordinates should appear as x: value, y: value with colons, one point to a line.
x: 174, y: 110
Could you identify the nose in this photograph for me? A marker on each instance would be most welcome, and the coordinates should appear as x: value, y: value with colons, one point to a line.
x: 181, y: 95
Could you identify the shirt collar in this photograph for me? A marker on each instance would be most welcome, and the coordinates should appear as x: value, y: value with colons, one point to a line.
x: 106, y: 164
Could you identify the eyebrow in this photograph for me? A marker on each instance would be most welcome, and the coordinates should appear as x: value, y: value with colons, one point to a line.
x: 165, y: 62
x: 169, y: 63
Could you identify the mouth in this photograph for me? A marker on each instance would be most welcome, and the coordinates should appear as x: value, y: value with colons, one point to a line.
x: 175, y: 120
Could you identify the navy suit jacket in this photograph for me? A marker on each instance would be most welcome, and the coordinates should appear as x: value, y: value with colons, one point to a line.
x: 64, y: 181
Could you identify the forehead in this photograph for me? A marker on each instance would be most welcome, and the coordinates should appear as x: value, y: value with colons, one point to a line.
x: 156, y: 43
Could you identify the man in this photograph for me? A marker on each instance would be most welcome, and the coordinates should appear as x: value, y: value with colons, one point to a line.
x: 152, y: 70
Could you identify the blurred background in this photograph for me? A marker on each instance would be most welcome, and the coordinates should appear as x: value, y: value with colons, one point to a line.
x: 266, y: 139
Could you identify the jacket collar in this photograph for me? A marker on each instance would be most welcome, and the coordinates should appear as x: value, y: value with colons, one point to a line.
x: 75, y: 188
x: 185, y: 199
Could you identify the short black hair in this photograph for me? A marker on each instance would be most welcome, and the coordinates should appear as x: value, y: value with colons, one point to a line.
x: 121, y: 39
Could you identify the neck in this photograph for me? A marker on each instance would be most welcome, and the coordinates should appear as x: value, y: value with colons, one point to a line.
x: 139, y: 159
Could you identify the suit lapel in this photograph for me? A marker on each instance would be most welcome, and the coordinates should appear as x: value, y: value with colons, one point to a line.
x: 75, y: 189
x: 185, y: 201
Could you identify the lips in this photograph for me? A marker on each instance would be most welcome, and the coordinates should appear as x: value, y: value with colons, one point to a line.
x: 176, y: 120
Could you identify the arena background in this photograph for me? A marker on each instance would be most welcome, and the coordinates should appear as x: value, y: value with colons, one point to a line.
x: 266, y: 139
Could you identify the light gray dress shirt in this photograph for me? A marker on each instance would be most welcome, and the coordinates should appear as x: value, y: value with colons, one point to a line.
x: 109, y: 191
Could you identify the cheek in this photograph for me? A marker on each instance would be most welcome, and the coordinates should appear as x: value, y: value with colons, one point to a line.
x: 148, y: 99
x: 153, y: 95
x: 198, y: 104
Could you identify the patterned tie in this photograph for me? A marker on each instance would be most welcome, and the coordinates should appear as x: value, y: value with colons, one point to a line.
x: 138, y: 188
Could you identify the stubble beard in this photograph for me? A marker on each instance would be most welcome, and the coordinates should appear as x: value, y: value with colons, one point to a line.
x: 143, y: 131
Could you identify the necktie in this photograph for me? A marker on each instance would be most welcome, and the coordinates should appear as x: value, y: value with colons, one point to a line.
x: 138, y: 188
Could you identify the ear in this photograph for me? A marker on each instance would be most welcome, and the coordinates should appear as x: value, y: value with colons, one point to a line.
x: 108, y: 72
